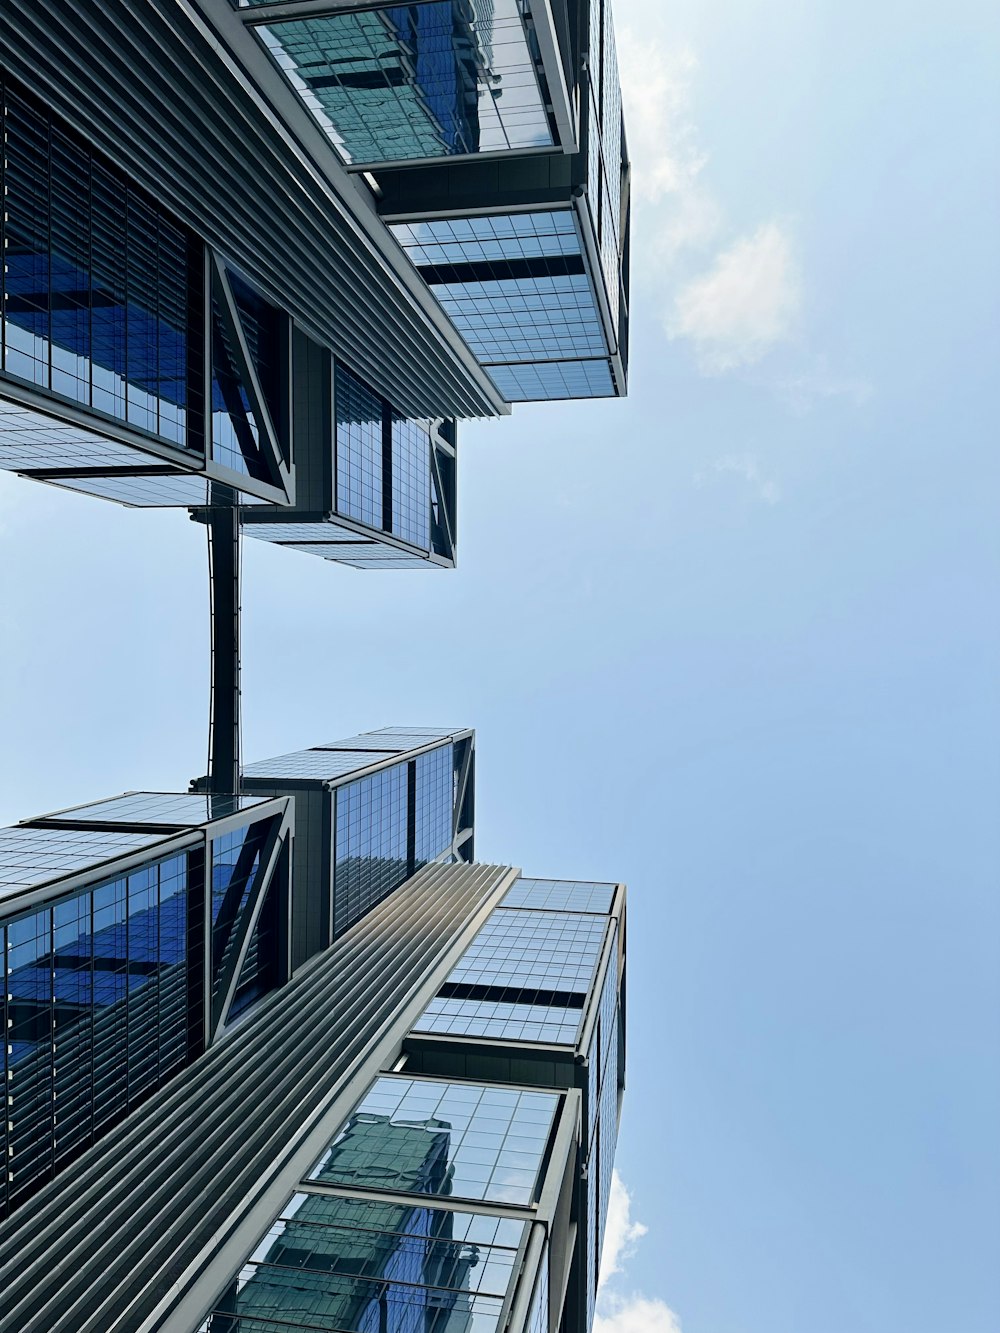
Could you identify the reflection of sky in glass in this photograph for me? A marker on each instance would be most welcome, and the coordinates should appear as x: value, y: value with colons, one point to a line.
x: 490, y: 1140
x: 560, y: 895
x: 517, y: 288
x: 98, y: 979
x: 406, y: 82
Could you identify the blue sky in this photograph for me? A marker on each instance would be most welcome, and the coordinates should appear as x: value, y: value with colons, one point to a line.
x: 734, y: 640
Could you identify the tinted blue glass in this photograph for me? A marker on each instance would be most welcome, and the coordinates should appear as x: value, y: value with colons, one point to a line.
x: 97, y: 1004
x: 515, y: 285
x: 359, y: 449
x: 236, y: 866
x: 524, y: 978
x: 555, y: 380
x: 560, y: 895
x: 427, y: 1136
x: 518, y: 289
x: 411, y: 481
x: 548, y: 1023
x: 97, y: 282
x: 371, y: 859
x: 530, y: 951
x: 352, y: 1265
x: 601, y: 1130
x: 239, y: 439
x: 434, y: 804
x: 408, y: 81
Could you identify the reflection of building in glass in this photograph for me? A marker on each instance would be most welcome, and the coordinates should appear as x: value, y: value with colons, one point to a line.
x: 428, y: 1140
x: 279, y: 1054
x: 411, y: 82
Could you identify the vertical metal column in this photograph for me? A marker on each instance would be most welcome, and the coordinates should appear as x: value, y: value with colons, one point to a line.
x: 224, y: 593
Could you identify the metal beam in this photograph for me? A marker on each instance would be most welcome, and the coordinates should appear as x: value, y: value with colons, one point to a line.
x: 223, y: 528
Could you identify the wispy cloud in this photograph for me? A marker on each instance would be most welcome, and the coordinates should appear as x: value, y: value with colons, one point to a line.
x: 620, y: 1233
x: 800, y: 392
x: 636, y: 1313
x: 747, y: 468
x: 734, y: 293
x: 744, y: 305
x: 663, y: 143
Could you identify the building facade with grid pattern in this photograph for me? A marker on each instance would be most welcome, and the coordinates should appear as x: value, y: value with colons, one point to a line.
x: 304, y: 351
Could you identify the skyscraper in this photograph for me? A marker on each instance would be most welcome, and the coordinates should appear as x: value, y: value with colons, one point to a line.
x: 217, y: 1118
x: 279, y: 1054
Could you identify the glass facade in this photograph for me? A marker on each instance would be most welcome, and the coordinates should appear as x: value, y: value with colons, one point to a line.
x: 97, y: 283
x: 37, y: 855
x: 604, y: 145
x: 383, y: 469
x: 434, y: 804
x: 405, y: 82
x: 95, y: 1012
x: 411, y: 481
x: 362, y: 1267
x: 560, y: 895
x: 162, y: 809
x: 516, y: 287
x: 387, y: 825
x: 239, y: 439
x: 525, y: 977
x: 428, y: 1136
x: 371, y: 843
x: 359, y: 449
x: 601, y: 1124
x: 236, y: 860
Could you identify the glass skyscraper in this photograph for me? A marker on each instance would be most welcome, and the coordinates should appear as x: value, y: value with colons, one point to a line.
x: 279, y: 1054
x: 293, y: 1061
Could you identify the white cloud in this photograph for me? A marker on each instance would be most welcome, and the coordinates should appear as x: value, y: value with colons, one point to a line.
x: 621, y: 1233
x: 666, y: 159
x: 801, y: 392
x: 747, y: 303
x: 746, y: 467
x: 636, y: 1313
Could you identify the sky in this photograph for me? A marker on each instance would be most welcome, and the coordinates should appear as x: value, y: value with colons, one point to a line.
x: 733, y: 640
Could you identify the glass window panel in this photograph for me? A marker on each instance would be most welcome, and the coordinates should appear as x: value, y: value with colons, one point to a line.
x: 359, y: 449
x: 434, y: 804
x: 560, y: 895
x: 98, y: 282
x: 36, y: 855
x: 408, y: 1135
x: 370, y: 843
x: 411, y: 481
x: 553, y: 380
x: 180, y: 810
x: 97, y: 1003
x: 417, y: 81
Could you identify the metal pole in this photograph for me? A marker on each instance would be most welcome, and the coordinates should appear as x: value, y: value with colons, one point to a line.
x: 224, y: 584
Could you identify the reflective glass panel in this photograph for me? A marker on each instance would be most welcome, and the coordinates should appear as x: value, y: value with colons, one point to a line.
x: 97, y: 282
x: 424, y: 1136
x: 434, y: 804
x: 359, y: 449
x: 411, y: 481
x: 96, y: 1006
x: 417, y: 81
x: 177, y: 809
x: 236, y: 866
x: 371, y: 850
x: 37, y: 855
x: 560, y: 895
x: 530, y: 952
x: 331, y: 1263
